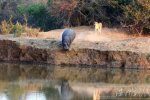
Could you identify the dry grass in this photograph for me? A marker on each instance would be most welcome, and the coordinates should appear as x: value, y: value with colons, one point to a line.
x: 5, y: 27
x: 18, y: 29
x: 31, y: 32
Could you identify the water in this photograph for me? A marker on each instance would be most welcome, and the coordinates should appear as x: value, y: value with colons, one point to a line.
x: 47, y: 82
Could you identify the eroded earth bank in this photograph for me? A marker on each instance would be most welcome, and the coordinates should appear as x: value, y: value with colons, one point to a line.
x: 128, y: 53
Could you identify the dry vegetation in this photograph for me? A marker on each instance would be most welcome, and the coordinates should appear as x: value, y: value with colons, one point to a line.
x: 130, y: 15
x: 7, y: 27
x: 31, y: 32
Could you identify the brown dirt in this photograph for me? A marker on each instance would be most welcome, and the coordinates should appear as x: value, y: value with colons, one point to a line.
x: 86, y: 33
x: 110, y: 39
x: 112, y: 51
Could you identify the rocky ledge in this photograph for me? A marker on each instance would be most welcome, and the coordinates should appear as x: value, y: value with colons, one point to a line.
x: 130, y: 53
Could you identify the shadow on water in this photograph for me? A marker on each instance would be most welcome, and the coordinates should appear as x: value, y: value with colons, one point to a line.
x: 47, y: 82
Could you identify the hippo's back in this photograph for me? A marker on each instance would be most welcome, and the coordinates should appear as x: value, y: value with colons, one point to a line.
x: 67, y: 37
x: 68, y: 32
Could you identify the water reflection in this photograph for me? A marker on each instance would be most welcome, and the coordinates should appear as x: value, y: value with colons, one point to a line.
x: 34, y: 96
x: 12, y: 72
x: 3, y: 96
x: 46, y: 82
x: 66, y: 92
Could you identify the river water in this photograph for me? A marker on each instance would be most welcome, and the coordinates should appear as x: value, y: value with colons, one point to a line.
x: 49, y: 82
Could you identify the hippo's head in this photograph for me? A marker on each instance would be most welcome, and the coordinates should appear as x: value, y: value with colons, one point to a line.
x: 65, y: 46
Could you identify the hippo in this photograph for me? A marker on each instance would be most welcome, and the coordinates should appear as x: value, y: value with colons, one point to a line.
x: 67, y: 38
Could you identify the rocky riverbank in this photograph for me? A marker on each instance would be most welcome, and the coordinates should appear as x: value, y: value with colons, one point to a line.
x: 129, y: 53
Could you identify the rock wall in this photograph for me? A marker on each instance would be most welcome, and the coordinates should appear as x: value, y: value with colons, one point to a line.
x: 11, y: 50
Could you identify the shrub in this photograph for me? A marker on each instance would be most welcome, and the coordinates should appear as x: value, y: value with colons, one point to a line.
x: 63, y: 10
x: 31, y: 32
x: 131, y: 14
x: 38, y: 16
x: 5, y: 27
x: 137, y: 16
x: 21, y: 9
x: 17, y: 29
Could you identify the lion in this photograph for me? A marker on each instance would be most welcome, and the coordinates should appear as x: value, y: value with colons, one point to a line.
x: 98, y: 27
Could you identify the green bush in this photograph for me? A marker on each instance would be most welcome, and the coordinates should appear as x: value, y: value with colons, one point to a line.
x: 21, y: 9
x: 38, y: 16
